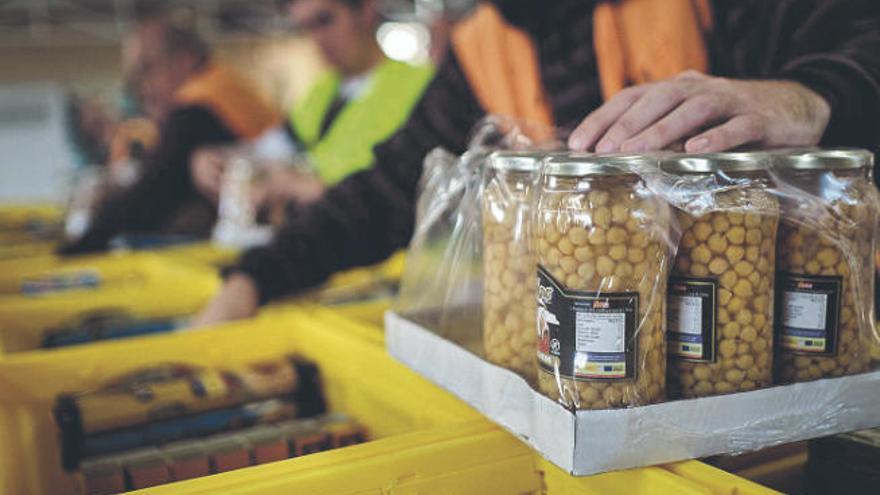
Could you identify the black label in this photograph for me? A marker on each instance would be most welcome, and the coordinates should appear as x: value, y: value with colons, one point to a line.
x: 690, y: 318
x: 808, y: 313
x: 586, y: 335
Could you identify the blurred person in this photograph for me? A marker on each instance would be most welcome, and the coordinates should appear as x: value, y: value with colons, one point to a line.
x: 358, y: 103
x: 633, y: 75
x: 194, y: 101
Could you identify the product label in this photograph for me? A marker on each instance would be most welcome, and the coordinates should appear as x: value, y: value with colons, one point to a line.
x: 807, y: 313
x: 585, y: 335
x: 690, y: 318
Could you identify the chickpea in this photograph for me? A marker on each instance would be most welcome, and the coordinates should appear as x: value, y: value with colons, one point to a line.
x: 718, y: 266
x: 577, y: 236
x: 565, y: 246
x: 702, y: 231
x: 617, y: 240
x: 735, y: 254
x: 602, y: 217
x: 619, y: 214
x: 581, y: 254
x: 736, y: 235
x: 717, y: 243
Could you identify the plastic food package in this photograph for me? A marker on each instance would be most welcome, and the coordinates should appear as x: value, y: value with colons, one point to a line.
x: 825, y: 286
x: 626, y: 226
x: 101, y: 420
x: 509, y: 303
x: 720, y: 295
x: 603, y: 242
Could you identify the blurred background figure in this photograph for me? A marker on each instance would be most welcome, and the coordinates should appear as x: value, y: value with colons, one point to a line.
x: 194, y: 101
x: 361, y: 99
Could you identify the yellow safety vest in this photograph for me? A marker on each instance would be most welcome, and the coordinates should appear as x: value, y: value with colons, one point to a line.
x: 372, y: 117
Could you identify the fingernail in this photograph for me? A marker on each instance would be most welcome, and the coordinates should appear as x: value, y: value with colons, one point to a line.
x: 698, y: 145
x: 576, y: 142
x: 605, y: 146
x: 634, y: 146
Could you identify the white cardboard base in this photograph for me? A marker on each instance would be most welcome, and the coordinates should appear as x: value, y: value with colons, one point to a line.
x: 590, y: 442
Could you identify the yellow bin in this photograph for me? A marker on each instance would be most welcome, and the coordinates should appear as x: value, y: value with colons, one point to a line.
x: 425, y: 440
x: 142, y: 286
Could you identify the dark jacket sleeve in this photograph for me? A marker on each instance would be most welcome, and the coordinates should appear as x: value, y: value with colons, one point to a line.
x: 369, y: 215
x: 830, y: 46
x: 165, y: 183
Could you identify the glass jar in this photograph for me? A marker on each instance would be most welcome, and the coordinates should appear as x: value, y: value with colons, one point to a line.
x: 720, y: 295
x: 508, y: 263
x: 825, y: 285
x: 600, y: 238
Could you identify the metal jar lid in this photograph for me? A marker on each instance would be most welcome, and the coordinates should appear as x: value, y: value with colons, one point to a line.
x: 582, y: 164
x: 516, y: 161
x: 707, y: 163
x: 827, y: 159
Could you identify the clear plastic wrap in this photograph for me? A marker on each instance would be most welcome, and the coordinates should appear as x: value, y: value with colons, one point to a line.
x: 720, y: 295
x: 634, y: 258
x: 604, y: 244
x: 825, y: 285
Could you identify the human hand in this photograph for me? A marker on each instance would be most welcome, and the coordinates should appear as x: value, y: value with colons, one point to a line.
x: 707, y: 113
x: 287, y: 184
x: 237, y: 299
x: 206, y: 169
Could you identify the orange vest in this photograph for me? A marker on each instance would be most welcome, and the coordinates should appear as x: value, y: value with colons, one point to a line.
x: 635, y: 41
x: 232, y: 98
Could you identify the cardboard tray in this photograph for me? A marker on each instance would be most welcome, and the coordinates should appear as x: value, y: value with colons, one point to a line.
x: 590, y: 442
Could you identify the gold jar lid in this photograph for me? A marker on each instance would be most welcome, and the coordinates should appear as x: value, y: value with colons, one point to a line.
x: 707, y: 163
x: 516, y: 161
x: 824, y: 159
x: 583, y: 164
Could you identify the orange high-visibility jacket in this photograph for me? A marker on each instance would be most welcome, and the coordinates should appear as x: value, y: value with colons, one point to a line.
x: 636, y: 41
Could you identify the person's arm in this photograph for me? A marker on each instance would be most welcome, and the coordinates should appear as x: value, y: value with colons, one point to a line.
x: 789, y: 73
x: 362, y: 220
x: 164, y: 185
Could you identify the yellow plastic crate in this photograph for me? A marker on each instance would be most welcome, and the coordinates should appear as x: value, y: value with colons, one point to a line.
x: 426, y: 441
x: 16, y: 264
x: 29, y: 224
x: 719, y: 482
x: 359, y: 379
x: 111, y: 268
x: 204, y: 253
x: 142, y: 286
x: 19, y: 251
x: 20, y: 216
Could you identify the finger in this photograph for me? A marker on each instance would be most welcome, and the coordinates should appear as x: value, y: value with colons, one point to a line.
x: 651, y: 107
x: 597, y: 122
x: 695, y: 113
x: 740, y: 130
x: 691, y: 75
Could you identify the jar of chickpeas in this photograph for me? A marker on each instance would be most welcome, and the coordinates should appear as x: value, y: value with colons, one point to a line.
x: 720, y: 295
x: 825, y: 284
x: 508, y: 263
x: 603, y: 261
